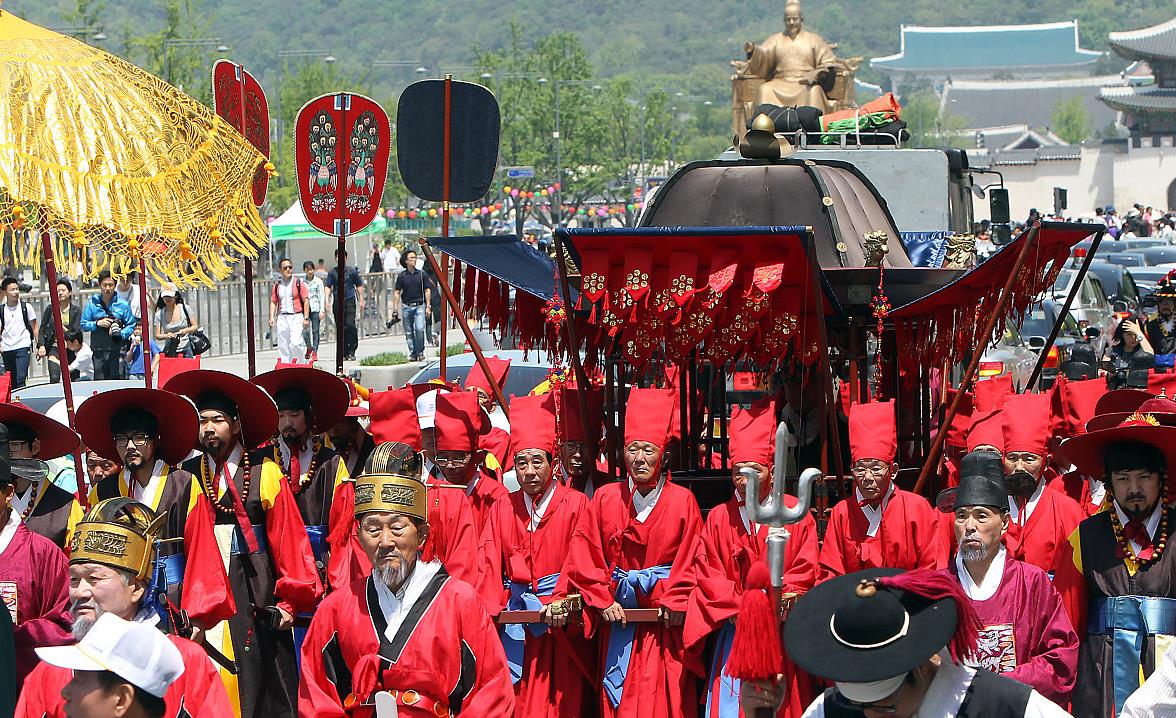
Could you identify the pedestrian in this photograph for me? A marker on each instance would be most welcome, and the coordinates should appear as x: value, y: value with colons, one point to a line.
x: 71, y: 317
x: 377, y: 263
x: 18, y: 332
x: 289, y: 314
x: 412, y: 294
x: 390, y: 256
x: 81, y: 358
x: 419, y: 633
x: 174, y: 324
x: 321, y: 269
x: 316, y: 297
x: 134, y: 355
x: 433, y: 313
x: 351, y: 294
x: 128, y: 291
x: 111, y: 324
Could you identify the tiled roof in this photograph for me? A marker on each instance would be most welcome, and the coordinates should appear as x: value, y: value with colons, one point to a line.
x: 1158, y: 41
x: 994, y: 103
x: 1140, y: 99
x: 1005, y: 47
x: 1025, y: 157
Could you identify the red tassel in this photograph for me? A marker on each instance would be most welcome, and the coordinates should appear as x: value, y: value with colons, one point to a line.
x: 756, y: 654
x: 935, y: 586
x: 366, y: 677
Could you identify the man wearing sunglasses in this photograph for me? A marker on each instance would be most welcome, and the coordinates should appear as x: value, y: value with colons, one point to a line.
x: 459, y: 427
x: 46, y: 508
x: 880, y: 524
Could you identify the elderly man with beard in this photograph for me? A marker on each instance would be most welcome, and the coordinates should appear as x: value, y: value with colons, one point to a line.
x: 1040, y: 520
x: 527, y: 547
x: 109, y: 572
x: 635, y: 549
x: 408, y: 635
x: 881, y: 525
x: 1025, y: 632
x: 1114, y: 573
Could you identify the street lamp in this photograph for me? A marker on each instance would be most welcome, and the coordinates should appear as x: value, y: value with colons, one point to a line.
x: 171, y: 42
x: 79, y: 32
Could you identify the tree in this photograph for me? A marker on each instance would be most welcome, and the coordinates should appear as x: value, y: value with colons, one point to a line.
x: 928, y: 124
x: 185, y: 66
x: 1070, y: 119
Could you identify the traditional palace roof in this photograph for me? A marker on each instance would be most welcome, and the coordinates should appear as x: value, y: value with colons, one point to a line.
x: 1140, y: 99
x: 1157, y: 42
x: 1018, y: 48
x: 996, y: 103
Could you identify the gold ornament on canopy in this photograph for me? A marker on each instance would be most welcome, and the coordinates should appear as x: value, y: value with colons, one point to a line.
x: 117, y: 165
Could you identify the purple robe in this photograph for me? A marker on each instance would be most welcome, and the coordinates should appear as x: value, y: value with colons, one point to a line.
x: 1026, y: 632
x: 34, y: 586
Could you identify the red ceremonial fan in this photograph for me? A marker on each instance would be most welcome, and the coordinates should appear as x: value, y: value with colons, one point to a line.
x: 341, y: 147
x: 241, y: 102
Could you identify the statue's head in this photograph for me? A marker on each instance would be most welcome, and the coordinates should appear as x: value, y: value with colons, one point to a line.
x: 793, y: 18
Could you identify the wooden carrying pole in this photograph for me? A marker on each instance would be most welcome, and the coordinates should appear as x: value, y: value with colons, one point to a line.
x: 145, y: 321
x: 442, y: 350
x: 62, y: 356
x: 970, y: 373
x: 341, y: 226
x: 443, y: 283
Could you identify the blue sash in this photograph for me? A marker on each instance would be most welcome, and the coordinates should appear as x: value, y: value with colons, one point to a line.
x: 1129, y: 620
x: 318, y: 547
x: 620, y: 638
x: 318, y: 541
x: 513, y: 635
x: 241, y: 548
x: 727, y: 694
x: 166, y: 572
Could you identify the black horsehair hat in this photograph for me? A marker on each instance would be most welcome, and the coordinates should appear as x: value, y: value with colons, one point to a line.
x: 981, y: 484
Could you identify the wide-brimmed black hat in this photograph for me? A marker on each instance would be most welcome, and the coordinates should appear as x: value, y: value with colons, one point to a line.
x: 981, y: 483
x: 1166, y: 287
x: 850, y: 629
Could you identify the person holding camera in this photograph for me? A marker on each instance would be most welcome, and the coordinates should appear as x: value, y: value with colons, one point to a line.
x: 111, y: 324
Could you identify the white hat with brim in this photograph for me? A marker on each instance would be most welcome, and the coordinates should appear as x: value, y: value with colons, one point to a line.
x: 136, y: 652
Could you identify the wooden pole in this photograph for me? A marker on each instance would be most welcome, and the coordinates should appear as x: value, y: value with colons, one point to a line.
x: 250, y: 319
x: 561, y: 268
x: 63, y: 357
x: 443, y: 283
x: 144, y: 321
x: 444, y: 334
x: 341, y: 253
x: 970, y: 373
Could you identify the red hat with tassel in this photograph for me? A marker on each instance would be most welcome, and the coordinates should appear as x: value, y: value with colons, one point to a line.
x: 873, y: 433
x: 532, y: 423
x: 647, y: 416
x: 1026, y: 423
x: 499, y: 369
x: 866, y: 630
x: 753, y: 433
x: 987, y: 430
x: 991, y: 393
x: 459, y: 421
x: 394, y: 417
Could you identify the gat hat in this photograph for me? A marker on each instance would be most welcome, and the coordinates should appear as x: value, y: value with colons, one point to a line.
x: 873, y: 433
x: 119, y: 533
x: 394, y: 417
x: 1026, y: 423
x: 871, y: 626
x: 1086, y: 452
x: 459, y: 421
x: 178, y: 420
x: 499, y: 369
x: 229, y: 393
x: 753, y: 434
x: 1161, y: 408
x: 56, y: 440
x: 1166, y: 287
x: 532, y: 423
x: 391, y: 481
x: 575, y: 426
x: 981, y: 484
x: 302, y: 387
x: 648, y: 416
x: 987, y: 430
x: 138, y: 653
x: 1121, y: 401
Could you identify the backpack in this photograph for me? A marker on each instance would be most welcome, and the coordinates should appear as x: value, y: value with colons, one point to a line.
x: 24, y: 312
x: 298, y: 294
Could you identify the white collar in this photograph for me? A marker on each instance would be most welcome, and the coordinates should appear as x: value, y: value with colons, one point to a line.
x: 469, y: 488
x: 643, y: 505
x: 946, y: 693
x: 990, y: 584
x: 304, y: 456
x: 497, y: 419
x: 1015, y: 510
x: 228, y: 469
x: 537, y: 510
x: 9, y: 530
x: 874, y: 515
x: 1151, y: 524
x: 20, y: 502
x: 566, y: 480
x: 395, y: 607
x: 150, y: 494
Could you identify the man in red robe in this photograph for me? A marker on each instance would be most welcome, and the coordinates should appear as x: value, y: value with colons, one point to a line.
x: 635, y: 549
x: 44, y: 507
x: 34, y: 578
x: 495, y: 441
x: 1025, y: 632
x: 881, y: 525
x: 459, y: 426
x: 527, y: 548
x: 1040, y: 520
x: 408, y: 635
x: 579, y: 447
x: 114, y: 577
x: 729, y: 544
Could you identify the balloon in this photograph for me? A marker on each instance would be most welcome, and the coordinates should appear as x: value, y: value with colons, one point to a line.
x: 556, y: 185
x: 514, y: 193
x: 580, y: 210
x: 601, y: 213
x: 485, y: 210
x: 412, y: 214
x: 629, y: 207
x: 497, y: 205
x: 432, y: 212
x: 551, y: 189
x: 401, y: 214
x: 390, y: 214
x: 506, y: 189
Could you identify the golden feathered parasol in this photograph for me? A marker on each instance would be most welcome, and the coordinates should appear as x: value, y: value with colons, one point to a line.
x: 117, y: 165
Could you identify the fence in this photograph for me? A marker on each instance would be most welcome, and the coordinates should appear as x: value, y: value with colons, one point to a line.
x: 221, y: 313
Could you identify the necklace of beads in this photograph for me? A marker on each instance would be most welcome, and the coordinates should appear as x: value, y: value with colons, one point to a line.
x: 36, y: 489
x: 299, y: 483
x: 210, y: 492
x: 1125, y: 551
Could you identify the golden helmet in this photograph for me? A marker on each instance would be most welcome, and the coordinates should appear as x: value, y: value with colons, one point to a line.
x: 119, y: 533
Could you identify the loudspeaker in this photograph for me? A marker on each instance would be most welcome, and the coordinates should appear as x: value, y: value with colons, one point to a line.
x: 998, y: 205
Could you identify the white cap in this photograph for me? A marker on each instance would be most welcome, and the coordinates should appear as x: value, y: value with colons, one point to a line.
x: 870, y: 692
x: 138, y: 653
x: 169, y: 290
x: 426, y: 409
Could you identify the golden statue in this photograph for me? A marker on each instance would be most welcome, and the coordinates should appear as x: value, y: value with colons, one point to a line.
x: 791, y: 68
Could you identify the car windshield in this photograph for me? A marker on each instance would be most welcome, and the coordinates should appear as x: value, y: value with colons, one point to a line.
x: 1062, y: 283
x: 1039, y: 322
x: 519, y: 382
x: 1109, y: 275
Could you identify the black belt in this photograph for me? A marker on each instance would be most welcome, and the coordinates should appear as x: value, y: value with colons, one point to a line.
x: 413, y: 304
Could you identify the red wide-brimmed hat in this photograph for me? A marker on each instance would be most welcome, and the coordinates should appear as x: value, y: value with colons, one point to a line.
x: 532, y: 423
x: 179, y: 422
x: 1161, y: 408
x: 1121, y: 401
x: 987, y: 429
x: 1086, y: 452
x: 328, y: 394
x: 207, y: 388
x: 648, y: 416
x: 459, y: 421
x: 56, y: 439
x: 394, y: 417
x: 1026, y: 423
x: 873, y: 432
x: 753, y: 434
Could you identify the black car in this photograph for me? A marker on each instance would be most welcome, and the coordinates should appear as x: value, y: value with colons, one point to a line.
x: 1119, y: 285
x: 1036, y: 325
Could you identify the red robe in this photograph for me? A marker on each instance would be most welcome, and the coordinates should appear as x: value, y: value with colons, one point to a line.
x: 1076, y: 486
x: 1053, y: 519
x: 1026, y: 633
x: 907, y: 538
x: 558, y: 664
x: 723, y: 555
x: 197, y: 693
x: 448, y: 653
x: 34, y: 586
x: 486, y: 494
x: 658, y: 684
